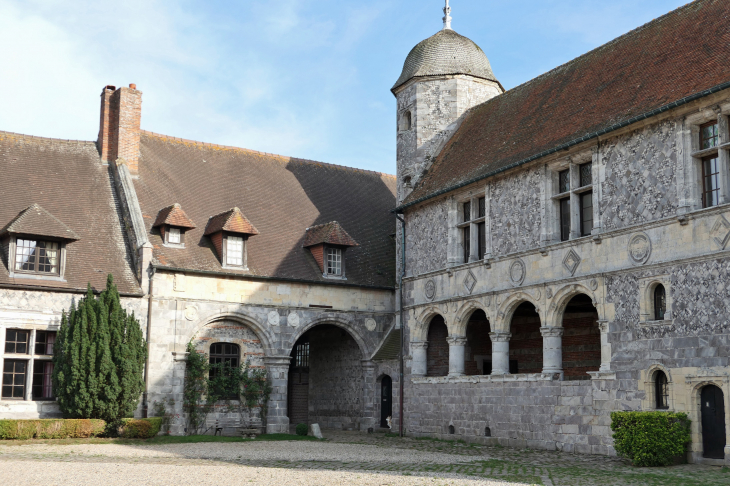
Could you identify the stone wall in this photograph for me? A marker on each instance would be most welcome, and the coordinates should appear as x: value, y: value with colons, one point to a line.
x: 515, y: 213
x: 426, y: 239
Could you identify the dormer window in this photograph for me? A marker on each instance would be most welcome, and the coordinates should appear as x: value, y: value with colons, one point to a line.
x: 173, y: 223
x: 33, y: 256
x: 334, y: 261
x: 229, y: 232
x: 328, y: 244
x: 234, y: 251
x: 174, y: 236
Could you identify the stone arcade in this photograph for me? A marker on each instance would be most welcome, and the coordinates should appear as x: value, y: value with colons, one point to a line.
x: 565, y: 250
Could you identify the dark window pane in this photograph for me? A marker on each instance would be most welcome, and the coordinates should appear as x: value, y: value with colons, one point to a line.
x: 14, y: 379
x: 586, y: 174
x: 565, y: 219
x: 17, y: 341
x: 661, y: 390
x: 482, y: 228
x: 44, y: 341
x: 709, y: 135
x: 563, y: 181
x: 42, y: 386
x: 482, y: 207
x: 586, y: 213
x: 467, y: 211
x: 660, y: 302
x: 710, y: 182
x: 467, y: 243
x: 25, y: 255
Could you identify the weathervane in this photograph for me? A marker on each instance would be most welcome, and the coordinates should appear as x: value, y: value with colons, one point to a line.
x: 447, y: 16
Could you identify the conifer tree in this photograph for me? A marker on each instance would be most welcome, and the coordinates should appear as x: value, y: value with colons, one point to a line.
x: 99, y: 359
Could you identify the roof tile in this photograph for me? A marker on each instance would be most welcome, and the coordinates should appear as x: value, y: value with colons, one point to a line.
x: 173, y: 216
x: 331, y: 233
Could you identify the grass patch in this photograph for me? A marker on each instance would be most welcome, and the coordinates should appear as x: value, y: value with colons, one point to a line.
x: 287, y: 437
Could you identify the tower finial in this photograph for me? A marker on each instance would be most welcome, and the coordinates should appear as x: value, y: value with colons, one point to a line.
x: 447, y: 16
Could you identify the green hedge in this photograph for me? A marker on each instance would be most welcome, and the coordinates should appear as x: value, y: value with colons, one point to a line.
x: 50, y: 429
x: 141, y: 428
x: 650, y: 438
x: 302, y: 429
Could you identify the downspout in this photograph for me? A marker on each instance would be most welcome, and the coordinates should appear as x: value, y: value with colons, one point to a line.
x: 145, y: 406
x: 402, y: 321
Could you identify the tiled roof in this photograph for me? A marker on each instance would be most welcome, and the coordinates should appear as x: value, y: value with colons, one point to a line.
x: 331, y: 233
x: 282, y: 196
x: 173, y: 216
x: 390, y: 349
x: 675, y: 56
x: 232, y: 221
x: 66, y: 177
x: 36, y: 221
x: 445, y: 52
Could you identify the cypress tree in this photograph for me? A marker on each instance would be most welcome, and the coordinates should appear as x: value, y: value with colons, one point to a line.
x: 99, y: 359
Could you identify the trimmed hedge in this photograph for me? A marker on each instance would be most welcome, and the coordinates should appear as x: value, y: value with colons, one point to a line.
x: 650, y: 438
x: 302, y: 429
x: 141, y: 428
x: 50, y: 429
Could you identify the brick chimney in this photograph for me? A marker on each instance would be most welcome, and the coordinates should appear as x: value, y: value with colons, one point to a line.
x: 119, y: 128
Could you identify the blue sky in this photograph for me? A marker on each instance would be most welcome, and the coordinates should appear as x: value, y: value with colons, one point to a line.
x: 304, y: 78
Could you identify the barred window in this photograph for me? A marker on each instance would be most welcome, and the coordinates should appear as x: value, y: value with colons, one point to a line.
x: 301, y: 355
x: 36, y: 256
x: 334, y: 261
x: 17, y: 341
x: 661, y: 390
x: 234, y: 251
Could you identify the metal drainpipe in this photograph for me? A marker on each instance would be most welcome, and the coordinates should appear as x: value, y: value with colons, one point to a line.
x: 149, y: 328
x: 402, y: 321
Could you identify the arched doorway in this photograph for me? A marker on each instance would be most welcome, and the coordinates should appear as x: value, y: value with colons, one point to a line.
x: 478, y: 351
x: 326, y: 379
x: 713, y: 422
x: 437, y: 353
x: 386, y: 400
x: 525, y: 345
x: 581, y: 338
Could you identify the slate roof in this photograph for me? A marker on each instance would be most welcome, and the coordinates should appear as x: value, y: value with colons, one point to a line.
x: 650, y: 68
x: 36, y: 221
x: 67, y: 179
x: 280, y: 196
x: 232, y: 221
x: 445, y: 52
x: 390, y: 349
x: 331, y: 233
x: 173, y: 216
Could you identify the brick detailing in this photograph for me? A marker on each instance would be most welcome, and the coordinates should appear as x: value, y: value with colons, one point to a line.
x: 426, y: 239
x: 232, y: 332
x: 525, y: 346
x: 581, y: 345
x: 437, y: 353
x: 477, y: 342
x: 119, y: 127
x: 514, y: 212
x: 318, y: 254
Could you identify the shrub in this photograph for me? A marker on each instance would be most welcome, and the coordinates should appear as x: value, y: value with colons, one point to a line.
x: 302, y: 429
x: 50, y: 429
x: 141, y: 428
x: 650, y: 438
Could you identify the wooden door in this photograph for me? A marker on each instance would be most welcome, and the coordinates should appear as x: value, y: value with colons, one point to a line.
x: 299, y: 396
x: 713, y: 422
x: 386, y: 400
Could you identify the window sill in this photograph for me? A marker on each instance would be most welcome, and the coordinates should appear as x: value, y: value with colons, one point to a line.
x: 234, y: 267
x: 710, y: 151
x: 29, y: 276
x: 174, y: 245
x: 334, y: 277
x: 662, y: 323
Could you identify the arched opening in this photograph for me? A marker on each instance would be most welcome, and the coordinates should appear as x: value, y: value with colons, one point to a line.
x: 325, y: 379
x: 478, y: 351
x: 660, y: 302
x: 525, y: 345
x: 712, y: 408
x: 437, y: 353
x: 661, y: 390
x: 581, y: 338
x: 405, y: 121
x: 386, y: 400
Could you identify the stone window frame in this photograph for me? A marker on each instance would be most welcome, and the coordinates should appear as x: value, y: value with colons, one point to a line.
x: 691, y: 160
x: 31, y: 357
x: 473, y: 198
x: 405, y: 121
x: 647, y: 285
x: 36, y: 275
x: 649, y: 401
x: 552, y: 210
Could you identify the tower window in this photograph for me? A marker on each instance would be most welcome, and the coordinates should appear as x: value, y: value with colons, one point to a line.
x: 405, y: 122
x: 660, y: 302
x: 661, y: 390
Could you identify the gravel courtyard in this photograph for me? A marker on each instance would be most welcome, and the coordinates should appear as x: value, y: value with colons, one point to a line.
x: 345, y: 458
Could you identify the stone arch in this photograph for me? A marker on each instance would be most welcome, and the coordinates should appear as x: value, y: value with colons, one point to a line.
x: 245, y: 319
x: 554, y: 317
x: 335, y: 321
x: 508, y: 307
x: 458, y: 327
x: 650, y: 385
x: 419, y: 329
x: 695, y: 398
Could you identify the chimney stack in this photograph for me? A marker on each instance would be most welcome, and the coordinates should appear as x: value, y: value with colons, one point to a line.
x: 119, y: 128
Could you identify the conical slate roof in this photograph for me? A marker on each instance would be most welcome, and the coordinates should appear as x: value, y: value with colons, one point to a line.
x: 445, y: 52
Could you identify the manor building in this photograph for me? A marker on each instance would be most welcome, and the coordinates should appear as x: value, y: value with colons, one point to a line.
x: 544, y: 256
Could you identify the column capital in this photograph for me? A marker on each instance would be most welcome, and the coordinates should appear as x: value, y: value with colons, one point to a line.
x: 277, y: 360
x: 603, y: 325
x: 551, y: 331
x: 500, y: 337
x: 419, y: 344
x: 456, y: 340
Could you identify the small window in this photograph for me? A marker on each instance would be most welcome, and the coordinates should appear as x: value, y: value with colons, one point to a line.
x: 660, y: 302
x: 36, y: 256
x: 467, y: 211
x: 563, y: 181
x: 42, y: 380
x: 586, y: 213
x: 173, y: 235
x: 482, y: 229
x: 710, y: 181
x: 17, y: 341
x: 586, y: 174
x: 334, y: 261
x: 405, y: 121
x: 467, y: 242
x: 661, y: 390
x: 234, y: 251
x: 709, y: 135
x: 301, y: 355
x: 44, y: 341
x: 565, y: 219
x: 482, y: 207
x: 14, y: 378
x: 407, y: 181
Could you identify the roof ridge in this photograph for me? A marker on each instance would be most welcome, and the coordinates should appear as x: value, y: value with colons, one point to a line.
x: 24, y: 135
x: 286, y: 158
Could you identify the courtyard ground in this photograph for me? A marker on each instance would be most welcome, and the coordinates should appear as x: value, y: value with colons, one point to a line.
x: 344, y: 458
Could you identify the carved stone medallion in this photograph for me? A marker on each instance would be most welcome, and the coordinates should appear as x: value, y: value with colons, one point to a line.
x: 370, y: 324
x: 571, y: 261
x: 549, y: 293
x: 293, y: 319
x: 191, y: 313
x: 639, y: 248
x: 720, y: 232
x: 470, y: 281
x: 517, y: 272
x: 593, y: 284
x: 273, y: 318
x: 430, y: 289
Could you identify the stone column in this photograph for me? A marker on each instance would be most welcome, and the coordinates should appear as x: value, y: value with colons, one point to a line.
x: 277, y: 419
x: 368, y: 395
x: 605, y: 347
x: 500, y: 352
x: 178, y: 424
x: 418, y: 354
x: 552, y: 349
x: 456, y: 355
